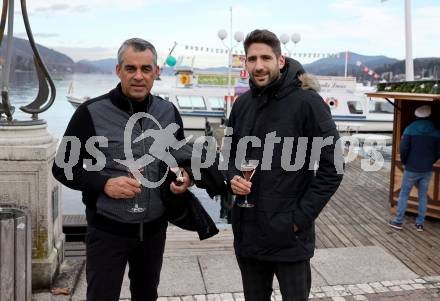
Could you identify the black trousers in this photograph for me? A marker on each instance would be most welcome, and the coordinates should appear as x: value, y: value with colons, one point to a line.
x: 107, y: 257
x: 294, y: 278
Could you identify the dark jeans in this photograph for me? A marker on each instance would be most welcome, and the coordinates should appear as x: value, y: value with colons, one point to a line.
x: 294, y: 278
x: 107, y: 257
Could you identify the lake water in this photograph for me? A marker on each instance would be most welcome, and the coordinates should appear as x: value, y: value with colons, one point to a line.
x: 24, y: 88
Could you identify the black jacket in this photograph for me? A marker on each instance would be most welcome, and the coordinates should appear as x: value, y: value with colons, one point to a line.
x: 283, y: 197
x: 82, y: 125
x: 420, y: 146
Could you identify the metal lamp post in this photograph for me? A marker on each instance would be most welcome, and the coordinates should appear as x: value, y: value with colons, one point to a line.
x: 284, y: 39
x: 238, y: 37
x: 409, y: 62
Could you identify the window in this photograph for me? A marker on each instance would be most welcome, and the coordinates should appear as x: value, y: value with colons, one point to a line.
x: 191, y: 102
x: 381, y: 107
x: 216, y: 102
x: 198, y: 102
x: 355, y: 107
x: 184, y: 102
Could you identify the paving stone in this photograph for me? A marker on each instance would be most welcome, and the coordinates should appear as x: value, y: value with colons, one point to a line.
x: 181, y: 276
x: 339, y: 288
x: 174, y: 299
x: 187, y: 298
x: 355, y: 290
x: 366, y: 288
x: 372, y: 264
x: 162, y: 299
x: 315, y: 290
x: 406, y: 287
x: 419, y: 280
x: 200, y: 298
x: 221, y: 273
x: 418, y: 286
x: 395, y: 288
x: 320, y: 295
x: 381, y: 289
x: 213, y: 297
x: 327, y: 288
x: 332, y: 293
x: 360, y: 298
x: 226, y: 297
x: 338, y: 299
x: 375, y: 284
x: 432, y: 278
x: 387, y: 283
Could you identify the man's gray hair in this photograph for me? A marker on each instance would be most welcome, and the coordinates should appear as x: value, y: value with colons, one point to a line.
x: 138, y: 45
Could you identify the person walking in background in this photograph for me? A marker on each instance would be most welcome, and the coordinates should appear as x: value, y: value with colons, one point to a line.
x: 419, y: 150
x: 275, y: 234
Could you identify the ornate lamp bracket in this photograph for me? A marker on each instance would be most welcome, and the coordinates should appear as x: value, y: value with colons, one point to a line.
x: 46, y: 87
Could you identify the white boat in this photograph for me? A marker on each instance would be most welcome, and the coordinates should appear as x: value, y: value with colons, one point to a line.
x: 352, y: 111
x: 76, y: 101
x: 196, y: 105
x: 350, y: 108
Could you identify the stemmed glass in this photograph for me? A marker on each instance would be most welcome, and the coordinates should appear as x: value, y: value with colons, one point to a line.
x: 248, y: 168
x: 136, y: 174
x: 178, y: 172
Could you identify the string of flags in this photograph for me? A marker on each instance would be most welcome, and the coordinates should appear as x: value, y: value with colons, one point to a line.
x: 367, y: 70
x: 236, y: 51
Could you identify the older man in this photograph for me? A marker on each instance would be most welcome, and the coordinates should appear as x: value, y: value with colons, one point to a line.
x: 126, y: 220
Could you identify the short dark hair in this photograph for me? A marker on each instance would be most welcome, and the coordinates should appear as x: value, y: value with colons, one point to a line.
x: 263, y: 36
x: 138, y: 45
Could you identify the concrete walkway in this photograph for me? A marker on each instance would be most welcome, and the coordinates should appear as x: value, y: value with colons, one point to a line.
x: 361, y: 273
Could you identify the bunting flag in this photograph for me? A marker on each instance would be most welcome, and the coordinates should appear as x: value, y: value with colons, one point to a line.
x: 367, y: 70
x: 241, y: 52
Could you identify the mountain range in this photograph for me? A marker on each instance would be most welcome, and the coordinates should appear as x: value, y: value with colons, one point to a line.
x: 393, y: 68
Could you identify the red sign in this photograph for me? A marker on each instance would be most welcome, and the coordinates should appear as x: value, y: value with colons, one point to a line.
x: 244, y: 74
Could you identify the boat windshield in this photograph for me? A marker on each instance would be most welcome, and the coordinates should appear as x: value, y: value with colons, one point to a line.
x: 355, y: 107
x: 191, y: 102
x: 216, y: 102
x: 376, y: 106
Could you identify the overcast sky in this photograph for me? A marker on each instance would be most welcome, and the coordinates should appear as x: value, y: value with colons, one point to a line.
x: 94, y: 29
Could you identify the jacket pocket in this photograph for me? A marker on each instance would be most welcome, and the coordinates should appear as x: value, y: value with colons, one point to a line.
x: 275, y: 223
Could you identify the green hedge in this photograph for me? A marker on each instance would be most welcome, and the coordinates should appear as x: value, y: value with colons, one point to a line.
x: 423, y: 86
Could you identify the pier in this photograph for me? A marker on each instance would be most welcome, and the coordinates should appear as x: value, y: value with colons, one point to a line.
x: 355, y: 247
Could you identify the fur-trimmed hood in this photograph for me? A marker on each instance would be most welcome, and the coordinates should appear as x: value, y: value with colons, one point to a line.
x: 309, y: 82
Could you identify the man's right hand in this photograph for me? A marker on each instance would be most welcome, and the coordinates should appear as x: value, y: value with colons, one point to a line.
x: 240, y: 186
x: 122, y: 187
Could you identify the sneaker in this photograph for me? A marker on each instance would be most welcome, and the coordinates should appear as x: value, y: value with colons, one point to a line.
x: 395, y: 225
x: 419, y: 227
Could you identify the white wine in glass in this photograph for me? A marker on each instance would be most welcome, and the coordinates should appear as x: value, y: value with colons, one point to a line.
x: 136, y: 174
x: 248, y: 168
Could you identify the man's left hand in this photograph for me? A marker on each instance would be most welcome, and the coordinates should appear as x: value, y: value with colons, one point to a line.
x: 178, y: 187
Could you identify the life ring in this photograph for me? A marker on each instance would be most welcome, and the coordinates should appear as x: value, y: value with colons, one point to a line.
x: 332, y: 102
x: 185, y: 79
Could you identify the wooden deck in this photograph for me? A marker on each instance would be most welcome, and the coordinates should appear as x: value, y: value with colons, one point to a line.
x: 357, y: 215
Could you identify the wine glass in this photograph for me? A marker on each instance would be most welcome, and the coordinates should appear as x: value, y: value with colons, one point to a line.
x: 179, y: 177
x: 248, y: 168
x: 136, y: 174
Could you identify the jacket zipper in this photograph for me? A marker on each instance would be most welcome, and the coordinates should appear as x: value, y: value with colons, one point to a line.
x: 141, y: 224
